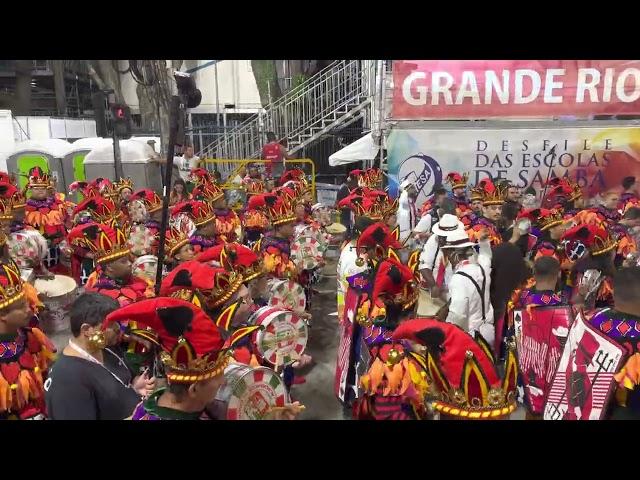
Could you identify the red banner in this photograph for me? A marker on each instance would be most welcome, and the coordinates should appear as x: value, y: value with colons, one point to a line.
x: 432, y: 89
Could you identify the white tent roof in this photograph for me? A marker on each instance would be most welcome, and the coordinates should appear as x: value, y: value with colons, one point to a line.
x: 131, y: 151
x: 52, y: 146
x: 362, y: 149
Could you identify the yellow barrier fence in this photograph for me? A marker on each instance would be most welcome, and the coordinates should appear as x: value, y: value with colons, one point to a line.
x: 212, y: 164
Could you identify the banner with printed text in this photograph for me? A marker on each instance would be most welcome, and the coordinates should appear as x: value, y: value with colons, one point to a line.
x: 597, y: 158
x: 439, y: 89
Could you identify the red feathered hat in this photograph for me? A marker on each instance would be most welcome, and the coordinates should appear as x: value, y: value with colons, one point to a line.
x: 193, y: 347
x: 216, y: 285
x: 207, y: 192
x: 543, y: 218
x: 461, y: 370
x: 294, y: 174
x: 11, y: 199
x: 456, y: 180
x: 11, y: 285
x: 377, y: 234
x: 200, y: 212
x: 38, y: 178
x: 489, y: 193
x: 87, y: 189
x: 372, y: 178
x: 394, y: 282
x: 106, y: 243
x: 175, y: 239
x: 234, y: 257
x: 281, y: 211
x: 581, y: 238
x: 7, y: 178
x: 151, y: 200
x: 102, y: 210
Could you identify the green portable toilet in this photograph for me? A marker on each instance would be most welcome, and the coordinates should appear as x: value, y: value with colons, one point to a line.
x: 73, y: 161
x: 46, y: 154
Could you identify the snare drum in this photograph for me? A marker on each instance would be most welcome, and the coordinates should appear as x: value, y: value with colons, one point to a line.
x: 249, y: 393
x: 283, y: 338
x: 145, y: 267
x: 287, y: 294
x: 57, y: 295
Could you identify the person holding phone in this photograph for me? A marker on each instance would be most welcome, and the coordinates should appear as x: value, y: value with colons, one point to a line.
x: 90, y: 379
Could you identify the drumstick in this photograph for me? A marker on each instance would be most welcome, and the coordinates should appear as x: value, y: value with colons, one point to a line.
x: 299, y: 408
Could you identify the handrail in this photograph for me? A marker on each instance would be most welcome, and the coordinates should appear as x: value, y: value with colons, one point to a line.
x: 321, y: 98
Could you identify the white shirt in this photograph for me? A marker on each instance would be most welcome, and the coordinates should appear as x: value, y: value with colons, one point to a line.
x: 185, y: 165
x: 347, y: 266
x: 465, y: 309
x: 432, y: 257
x: 424, y: 225
x: 406, y: 215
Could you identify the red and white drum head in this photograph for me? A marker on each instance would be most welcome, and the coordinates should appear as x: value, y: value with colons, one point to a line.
x: 289, y: 295
x: 250, y: 393
x: 305, y: 252
x: 283, y: 338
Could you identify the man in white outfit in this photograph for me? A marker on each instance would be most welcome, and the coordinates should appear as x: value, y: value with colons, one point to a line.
x: 407, y: 213
x: 470, y: 284
x: 435, y: 271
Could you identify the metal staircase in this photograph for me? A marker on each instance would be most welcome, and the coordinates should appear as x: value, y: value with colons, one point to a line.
x: 335, y: 96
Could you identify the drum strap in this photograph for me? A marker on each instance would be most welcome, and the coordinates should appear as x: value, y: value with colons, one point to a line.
x: 481, y: 291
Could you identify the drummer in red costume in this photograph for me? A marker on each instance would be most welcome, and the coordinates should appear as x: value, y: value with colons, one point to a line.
x: 548, y: 226
x: 25, y: 353
x: 194, y: 355
x: 143, y: 238
x: 228, y: 224
x: 492, y: 200
x: 205, y: 236
x: 121, y: 193
x: 25, y: 245
x: 111, y: 253
x: 463, y: 379
x: 276, y: 246
x: 47, y: 214
x: 593, y: 250
x: 243, y: 261
x: 94, y: 209
x: 256, y: 221
x: 177, y: 247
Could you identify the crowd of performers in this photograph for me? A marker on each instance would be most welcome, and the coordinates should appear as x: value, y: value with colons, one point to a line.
x: 480, y: 300
x: 462, y: 308
x: 228, y: 327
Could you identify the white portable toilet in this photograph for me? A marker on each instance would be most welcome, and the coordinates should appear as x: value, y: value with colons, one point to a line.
x: 73, y: 161
x: 137, y: 163
x: 46, y: 154
x: 156, y: 146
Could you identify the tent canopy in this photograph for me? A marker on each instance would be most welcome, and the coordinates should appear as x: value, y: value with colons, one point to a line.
x: 362, y: 149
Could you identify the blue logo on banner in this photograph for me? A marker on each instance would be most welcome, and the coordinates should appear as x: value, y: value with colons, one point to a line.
x: 424, y: 172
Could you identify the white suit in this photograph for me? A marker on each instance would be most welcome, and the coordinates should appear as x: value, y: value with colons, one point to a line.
x: 407, y: 214
x: 466, y: 309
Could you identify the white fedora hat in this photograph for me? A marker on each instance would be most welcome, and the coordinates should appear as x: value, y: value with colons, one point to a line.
x: 447, y: 224
x: 457, y: 239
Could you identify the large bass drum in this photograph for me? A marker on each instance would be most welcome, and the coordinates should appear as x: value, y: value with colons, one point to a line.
x: 248, y: 393
x: 283, y: 338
